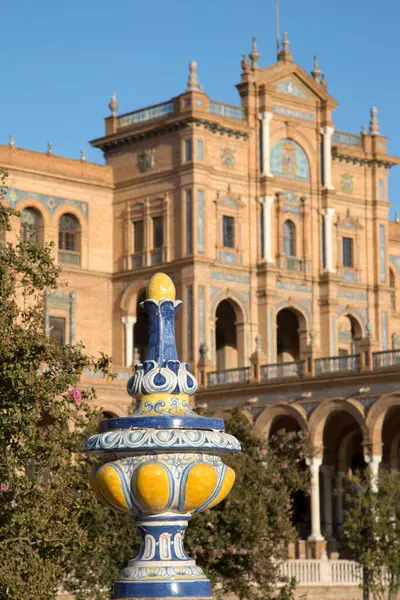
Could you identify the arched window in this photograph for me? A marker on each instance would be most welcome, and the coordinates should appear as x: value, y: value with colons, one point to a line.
x: 31, y: 226
x: 288, y: 159
x: 69, y: 240
x: 289, y: 238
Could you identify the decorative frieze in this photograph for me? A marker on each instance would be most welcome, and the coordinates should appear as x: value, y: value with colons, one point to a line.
x: 50, y: 202
x: 287, y: 86
x: 294, y: 287
x: 219, y: 276
x: 291, y: 112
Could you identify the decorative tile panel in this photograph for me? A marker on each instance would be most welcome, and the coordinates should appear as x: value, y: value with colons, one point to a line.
x: 348, y: 276
x: 217, y: 275
x: 201, y: 312
x: 384, y: 325
x: 200, y: 221
x: 229, y: 257
x: 347, y: 183
x: 50, y: 202
x: 287, y: 86
x: 189, y: 316
x: 333, y: 336
x: 291, y: 112
x: 382, y: 254
x: 348, y: 139
x: 288, y: 159
x: 381, y: 188
x: 290, y: 197
x: 271, y: 352
x: 352, y: 295
x: 228, y: 157
x: 287, y: 208
x: 294, y: 287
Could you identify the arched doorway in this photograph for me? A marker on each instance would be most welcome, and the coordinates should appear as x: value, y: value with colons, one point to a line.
x: 343, y: 457
x: 301, y: 515
x: 228, y: 338
x: 391, y: 439
x: 140, y: 330
x: 349, y: 335
x: 288, y: 336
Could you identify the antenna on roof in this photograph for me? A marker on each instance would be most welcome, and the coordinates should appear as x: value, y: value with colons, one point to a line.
x: 278, y: 46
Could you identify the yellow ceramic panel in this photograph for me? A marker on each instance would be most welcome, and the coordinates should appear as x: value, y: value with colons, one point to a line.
x: 93, y: 485
x: 226, y: 487
x: 161, y: 287
x: 152, y: 487
x: 200, y: 484
x: 109, y: 484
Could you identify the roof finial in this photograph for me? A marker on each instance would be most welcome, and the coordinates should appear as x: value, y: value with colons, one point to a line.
x: 50, y: 149
x: 285, y: 54
x: 316, y: 73
x: 113, y: 104
x: 374, y: 123
x: 83, y: 155
x: 193, y: 81
x: 364, y: 130
x: 11, y: 143
x: 245, y: 64
x: 254, y: 55
x: 323, y: 81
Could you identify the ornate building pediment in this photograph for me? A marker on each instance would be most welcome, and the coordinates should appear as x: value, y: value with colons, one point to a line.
x: 230, y: 200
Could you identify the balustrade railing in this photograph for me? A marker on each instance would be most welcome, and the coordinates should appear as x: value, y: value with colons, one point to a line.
x: 146, y: 114
x: 68, y: 257
x: 386, y: 358
x: 224, y: 110
x: 241, y: 374
x: 322, y: 572
x: 337, y: 364
x: 281, y: 370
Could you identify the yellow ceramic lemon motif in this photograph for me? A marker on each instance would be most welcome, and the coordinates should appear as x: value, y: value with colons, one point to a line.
x: 200, y: 484
x: 108, y: 482
x: 152, y: 487
x: 226, y: 487
x: 161, y: 287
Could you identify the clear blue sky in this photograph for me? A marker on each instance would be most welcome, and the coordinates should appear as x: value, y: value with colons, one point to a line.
x: 62, y: 60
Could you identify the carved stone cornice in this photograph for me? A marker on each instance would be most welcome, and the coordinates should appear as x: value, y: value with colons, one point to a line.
x: 358, y: 160
x: 126, y: 138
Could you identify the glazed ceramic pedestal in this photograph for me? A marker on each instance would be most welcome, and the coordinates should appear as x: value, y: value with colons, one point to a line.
x: 162, y: 463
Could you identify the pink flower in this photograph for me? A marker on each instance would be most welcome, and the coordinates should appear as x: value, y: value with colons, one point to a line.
x: 3, y: 487
x: 76, y: 395
x: 263, y: 451
x: 38, y: 416
x: 39, y: 488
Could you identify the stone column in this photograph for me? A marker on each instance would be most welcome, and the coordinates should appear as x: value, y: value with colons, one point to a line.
x: 373, y: 462
x: 314, y: 465
x: 129, y: 323
x: 339, y: 501
x: 266, y: 202
x: 327, y: 133
x: 328, y: 216
x: 265, y: 118
x: 327, y: 472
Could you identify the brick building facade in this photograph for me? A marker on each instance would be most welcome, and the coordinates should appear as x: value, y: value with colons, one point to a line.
x: 274, y: 228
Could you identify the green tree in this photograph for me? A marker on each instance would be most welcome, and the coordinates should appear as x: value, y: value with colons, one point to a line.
x: 372, y: 531
x: 44, y: 415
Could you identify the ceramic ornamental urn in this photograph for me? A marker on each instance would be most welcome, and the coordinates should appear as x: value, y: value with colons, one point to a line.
x: 162, y: 463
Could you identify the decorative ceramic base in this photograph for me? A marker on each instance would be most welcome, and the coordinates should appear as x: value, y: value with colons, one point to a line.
x: 127, y: 591
x: 162, y: 568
